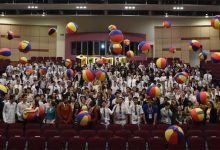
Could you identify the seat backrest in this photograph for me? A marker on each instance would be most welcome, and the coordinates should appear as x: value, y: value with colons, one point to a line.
x: 116, y: 143
x: 156, y: 143
x: 196, y: 142
x: 55, y: 143
x: 87, y: 133
x: 96, y: 143
x: 136, y: 143
x: 16, y: 143
x: 78, y: 143
x: 213, y: 143
x: 36, y: 143
x: 105, y: 134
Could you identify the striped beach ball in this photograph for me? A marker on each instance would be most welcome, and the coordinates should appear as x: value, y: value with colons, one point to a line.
x: 202, y: 97
x: 167, y: 24
x: 112, y: 27
x: 52, y: 32
x: 174, y: 135
x: 28, y: 71
x: 215, y: 22
x: 100, y: 74
x: 3, y: 90
x: 153, y: 91
x: 194, y: 45
x: 88, y: 75
x: 24, y: 46
x: 9, y: 35
x: 144, y: 47
x: 68, y: 74
x: 115, y: 49
x: 68, y: 63
x: 197, y: 114
x: 99, y: 62
x: 5, y: 53
x: 43, y: 71
x: 83, y: 118
x: 116, y: 36
x: 130, y: 54
x: 126, y: 42
x: 23, y: 60
x: 215, y: 57
x: 181, y: 77
x: 172, y: 50
x: 161, y: 63
x: 72, y: 27
x: 202, y: 56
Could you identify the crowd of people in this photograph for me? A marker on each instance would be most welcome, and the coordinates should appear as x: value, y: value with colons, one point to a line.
x: 122, y: 99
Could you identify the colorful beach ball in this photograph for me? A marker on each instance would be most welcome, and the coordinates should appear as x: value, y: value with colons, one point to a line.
x: 88, y: 75
x: 68, y: 63
x: 153, y: 91
x: 130, y: 54
x: 3, y: 90
x: 68, y: 74
x: 24, y: 46
x: 72, y: 27
x: 215, y: 57
x: 194, y: 45
x: 23, y: 60
x: 100, y: 75
x: 28, y: 71
x: 202, y: 97
x: 167, y: 24
x: 144, y: 47
x: 9, y: 35
x: 174, y: 135
x: 5, y: 53
x: 172, y: 50
x: 180, y: 77
x: 43, y: 71
x: 161, y: 63
x: 112, y: 27
x: 126, y: 42
x: 29, y: 115
x: 215, y: 22
x: 83, y: 118
x: 197, y: 114
x: 116, y: 36
x: 52, y: 32
x: 202, y: 56
x: 99, y: 62
x: 115, y: 49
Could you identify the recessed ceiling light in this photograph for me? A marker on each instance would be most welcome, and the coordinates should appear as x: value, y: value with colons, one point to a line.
x: 181, y: 8
x: 206, y: 15
x: 166, y: 15
x: 174, y: 8
x: 126, y: 7
x: 36, y: 7
x: 3, y: 14
x: 32, y: 7
x: 81, y: 7
x: 177, y: 8
x: 29, y: 7
x: 77, y: 7
x: 43, y: 14
x: 133, y: 7
x: 84, y: 7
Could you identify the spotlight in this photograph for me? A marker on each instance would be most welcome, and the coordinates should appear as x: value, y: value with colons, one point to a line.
x: 166, y: 15
x: 206, y: 16
x: 43, y: 14
x: 3, y: 14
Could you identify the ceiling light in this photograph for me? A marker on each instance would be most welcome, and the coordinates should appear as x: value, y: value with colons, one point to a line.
x: 3, y: 14
x: 36, y: 7
x: 206, y: 16
x: 133, y: 7
x: 166, y: 15
x: 174, y: 8
x: 29, y: 7
x: 126, y: 7
x: 32, y: 7
x: 77, y: 7
x: 177, y: 8
x: 81, y: 7
x: 43, y: 14
x: 84, y: 7
x: 181, y: 8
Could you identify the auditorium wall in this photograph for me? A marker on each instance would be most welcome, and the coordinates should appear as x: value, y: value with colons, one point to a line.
x: 151, y: 26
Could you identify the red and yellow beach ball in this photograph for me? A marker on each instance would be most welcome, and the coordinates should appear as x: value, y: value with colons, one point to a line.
x: 174, y: 135
x: 130, y: 54
x: 126, y: 42
x: 116, y: 36
x: 181, y: 77
x: 100, y: 62
x: 28, y: 71
x: 68, y: 74
x: 23, y: 60
x: 161, y: 63
x: 172, y: 50
x: 144, y: 47
x: 9, y: 35
x: 24, y: 46
x: 112, y: 27
x: 153, y: 91
x: 194, y: 45
x: 202, y: 56
x: 43, y: 71
x: 197, y: 114
x: 72, y: 27
x: 83, y: 118
x: 68, y: 63
x: 100, y: 75
x: 215, y: 22
x: 202, y: 97
x: 88, y: 75
x: 167, y: 24
x: 115, y: 49
x: 215, y: 57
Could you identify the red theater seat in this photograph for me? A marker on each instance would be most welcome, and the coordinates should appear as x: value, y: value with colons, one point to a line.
x: 209, y: 133
x: 142, y: 133
x: 55, y: 143
x: 213, y: 143
x: 36, y: 143
x: 131, y: 127
x: 78, y: 143
x: 105, y: 134
x: 15, y: 132
x: 87, y: 133
x: 136, y: 143
x: 16, y: 143
x: 114, y: 127
x: 117, y: 143
x: 96, y: 143
x: 196, y: 143
x: 156, y: 143
x: 33, y: 133
x: 33, y: 127
x: 123, y: 133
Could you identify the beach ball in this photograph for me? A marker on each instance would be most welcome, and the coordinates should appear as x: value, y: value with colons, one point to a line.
x: 115, y: 49
x: 180, y: 77
x: 43, y: 71
x: 68, y: 74
x: 72, y: 27
x: 161, y: 63
x: 100, y: 62
x: 28, y: 71
x: 197, y: 114
x: 116, y: 36
x: 202, y: 56
x: 153, y: 91
x: 186, y: 74
x: 167, y: 24
x: 5, y: 53
x: 3, y: 90
x: 9, y: 35
x: 68, y: 63
x: 23, y: 60
x: 202, y: 97
x: 88, y: 75
x: 144, y: 47
x: 112, y: 27
x: 52, y: 32
x: 24, y: 46
x: 130, y: 54
x: 41, y: 112
x: 215, y: 57
x: 100, y: 75
x: 28, y: 115
x: 84, y: 108
x: 215, y: 22
x: 126, y: 42
x: 174, y: 134
x: 83, y: 118
x: 194, y: 45
x: 172, y: 50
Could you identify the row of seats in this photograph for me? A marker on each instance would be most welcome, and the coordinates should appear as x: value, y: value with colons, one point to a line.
x: 45, y: 59
x: 113, y: 143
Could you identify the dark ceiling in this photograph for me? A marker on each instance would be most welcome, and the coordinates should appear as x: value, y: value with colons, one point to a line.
x: 144, y: 12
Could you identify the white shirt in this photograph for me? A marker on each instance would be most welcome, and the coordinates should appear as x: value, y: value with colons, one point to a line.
x: 20, y: 109
x: 207, y: 77
x: 120, y: 114
x: 9, y: 112
x: 136, y: 112
x: 105, y: 115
